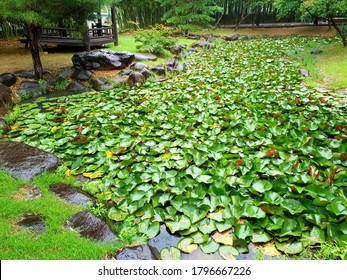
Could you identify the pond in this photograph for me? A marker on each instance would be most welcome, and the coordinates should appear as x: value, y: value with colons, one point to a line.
x: 233, y: 145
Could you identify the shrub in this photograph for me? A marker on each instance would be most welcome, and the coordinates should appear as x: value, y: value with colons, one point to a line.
x: 155, y: 40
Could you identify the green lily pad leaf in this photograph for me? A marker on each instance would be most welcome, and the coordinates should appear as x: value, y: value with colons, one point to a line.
x: 206, y: 226
x: 209, y: 247
x: 171, y: 253
x: 216, y: 216
x: 187, y: 245
x: 316, y: 235
x: 194, y: 171
x: 273, y: 198
x: 228, y: 252
x: 338, y: 207
x: 324, y: 152
x: 117, y: 214
x: 290, y: 247
x: 148, y: 228
x: 225, y: 225
x: 290, y: 228
x: 243, y: 231
x: 261, y: 186
x: 199, y: 237
x: 207, y: 179
x: 338, y: 232
x: 292, y: 206
x: 261, y: 237
x: 254, y: 212
x: 180, y: 223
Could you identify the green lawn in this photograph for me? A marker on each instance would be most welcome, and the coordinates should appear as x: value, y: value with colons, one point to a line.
x: 56, y: 243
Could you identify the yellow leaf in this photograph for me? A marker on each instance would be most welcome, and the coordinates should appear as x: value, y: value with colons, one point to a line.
x: 225, y: 237
x: 269, y: 249
x: 14, y: 127
x: 109, y: 154
x: 166, y: 156
x: 68, y: 173
x: 87, y: 174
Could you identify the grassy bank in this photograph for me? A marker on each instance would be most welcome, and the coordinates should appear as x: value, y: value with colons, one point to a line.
x: 56, y: 243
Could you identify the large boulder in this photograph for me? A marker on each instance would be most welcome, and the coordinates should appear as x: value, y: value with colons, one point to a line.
x: 29, y: 89
x: 5, y: 96
x: 8, y: 79
x: 24, y: 161
x: 102, y: 60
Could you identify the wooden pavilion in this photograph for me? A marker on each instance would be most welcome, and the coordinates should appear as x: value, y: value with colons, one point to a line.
x: 97, y: 35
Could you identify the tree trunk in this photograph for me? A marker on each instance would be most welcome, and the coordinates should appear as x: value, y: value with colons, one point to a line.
x: 338, y: 30
x: 34, y: 34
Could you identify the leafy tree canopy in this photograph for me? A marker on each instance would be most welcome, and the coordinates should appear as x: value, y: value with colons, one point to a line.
x: 190, y: 14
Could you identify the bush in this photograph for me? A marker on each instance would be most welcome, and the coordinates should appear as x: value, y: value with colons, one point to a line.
x: 155, y: 40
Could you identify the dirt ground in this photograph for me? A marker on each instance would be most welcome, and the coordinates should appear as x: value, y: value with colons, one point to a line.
x: 14, y: 56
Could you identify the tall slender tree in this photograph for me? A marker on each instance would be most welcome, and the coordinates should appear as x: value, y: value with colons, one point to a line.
x: 190, y: 14
x: 33, y: 14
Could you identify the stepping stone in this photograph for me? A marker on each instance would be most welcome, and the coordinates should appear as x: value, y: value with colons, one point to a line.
x: 24, y: 161
x: 34, y: 222
x: 71, y: 194
x: 90, y: 226
x: 28, y: 192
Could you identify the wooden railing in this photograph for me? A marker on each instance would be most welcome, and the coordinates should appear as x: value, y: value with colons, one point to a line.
x: 90, y: 37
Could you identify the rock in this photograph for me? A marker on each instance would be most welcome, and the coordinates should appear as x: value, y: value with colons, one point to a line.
x: 34, y: 222
x: 29, y: 74
x: 171, y: 62
x: 119, y: 79
x: 204, y: 45
x: 4, y: 127
x: 159, y: 69
x: 90, y: 226
x: 161, y: 80
x: 71, y: 194
x: 29, y: 89
x: 102, y: 84
x: 60, y: 78
x: 126, y: 72
x: 316, y: 51
x: 77, y: 87
x: 102, y: 60
x: 82, y: 75
x: 145, y: 56
x: 180, y: 67
x: 135, y: 78
x: 5, y: 96
x: 143, y: 252
x: 177, y: 49
x: 304, y: 72
x: 8, y: 79
x: 146, y: 73
x: 26, y: 162
x: 234, y: 37
x: 138, y: 66
x: 28, y: 192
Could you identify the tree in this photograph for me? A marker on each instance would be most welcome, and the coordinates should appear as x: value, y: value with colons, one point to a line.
x: 329, y: 10
x: 190, y: 14
x: 317, y: 9
x: 33, y: 14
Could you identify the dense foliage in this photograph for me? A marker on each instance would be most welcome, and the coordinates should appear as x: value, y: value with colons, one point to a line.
x: 233, y: 151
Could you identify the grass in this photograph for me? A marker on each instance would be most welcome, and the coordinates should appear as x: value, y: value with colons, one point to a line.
x: 56, y: 243
x: 327, y: 69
